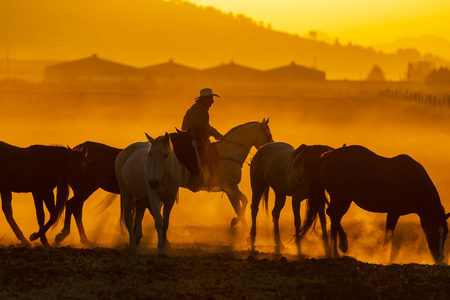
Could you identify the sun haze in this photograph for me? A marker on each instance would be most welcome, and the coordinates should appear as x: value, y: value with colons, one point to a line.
x: 363, y: 22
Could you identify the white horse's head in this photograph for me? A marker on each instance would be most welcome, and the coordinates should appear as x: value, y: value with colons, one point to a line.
x: 264, y: 135
x: 160, y: 160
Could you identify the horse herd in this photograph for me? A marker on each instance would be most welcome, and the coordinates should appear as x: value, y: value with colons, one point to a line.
x: 147, y: 175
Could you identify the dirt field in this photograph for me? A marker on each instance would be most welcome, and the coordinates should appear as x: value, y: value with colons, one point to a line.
x: 205, y: 272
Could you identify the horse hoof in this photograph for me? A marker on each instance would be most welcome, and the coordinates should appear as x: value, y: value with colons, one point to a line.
x: 87, y: 244
x: 162, y: 253
x: 343, y: 247
x: 60, y: 237
x: 135, y: 252
x: 34, y: 236
x: 25, y: 244
x: 234, y: 222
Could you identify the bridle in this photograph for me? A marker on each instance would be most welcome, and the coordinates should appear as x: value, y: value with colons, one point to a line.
x: 261, y: 131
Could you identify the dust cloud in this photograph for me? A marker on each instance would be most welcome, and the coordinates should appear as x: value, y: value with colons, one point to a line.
x: 328, y: 114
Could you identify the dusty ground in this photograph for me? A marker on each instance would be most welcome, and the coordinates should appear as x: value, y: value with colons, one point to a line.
x: 201, y: 271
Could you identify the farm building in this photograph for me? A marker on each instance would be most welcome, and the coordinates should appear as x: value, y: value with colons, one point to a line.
x: 232, y: 72
x: 97, y: 71
x: 169, y: 72
x: 91, y: 69
x: 295, y: 73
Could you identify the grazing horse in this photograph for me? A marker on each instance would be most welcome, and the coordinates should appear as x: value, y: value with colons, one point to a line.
x: 289, y: 172
x: 151, y: 172
x: 232, y: 151
x: 396, y: 186
x: 99, y: 172
x: 37, y: 169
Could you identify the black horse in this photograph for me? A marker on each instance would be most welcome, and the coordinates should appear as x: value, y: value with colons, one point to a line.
x: 99, y: 172
x: 37, y: 169
x: 396, y: 186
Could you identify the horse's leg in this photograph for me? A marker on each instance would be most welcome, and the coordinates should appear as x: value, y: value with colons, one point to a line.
x: 141, y: 205
x: 74, y: 206
x: 7, y: 210
x: 323, y: 224
x: 257, y: 193
x: 280, y: 200
x: 391, y: 222
x: 67, y: 219
x: 39, y: 205
x: 297, y: 221
x: 244, y: 202
x: 166, y: 214
x: 127, y: 203
x: 233, y: 195
x: 154, y: 205
x: 78, y: 215
x: 336, y: 210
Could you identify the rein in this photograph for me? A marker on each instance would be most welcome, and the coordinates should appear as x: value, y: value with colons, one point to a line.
x: 239, y: 144
x: 233, y: 142
x: 231, y: 159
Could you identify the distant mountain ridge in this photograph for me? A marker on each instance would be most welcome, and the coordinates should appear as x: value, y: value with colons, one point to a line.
x: 147, y: 32
x: 425, y: 44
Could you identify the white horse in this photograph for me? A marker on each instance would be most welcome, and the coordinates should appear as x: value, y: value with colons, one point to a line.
x: 289, y: 172
x: 151, y: 173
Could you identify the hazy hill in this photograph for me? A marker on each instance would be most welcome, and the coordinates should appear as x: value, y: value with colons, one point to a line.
x: 146, y: 32
x: 425, y: 44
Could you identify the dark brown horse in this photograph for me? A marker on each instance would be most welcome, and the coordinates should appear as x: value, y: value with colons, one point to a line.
x: 99, y: 172
x: 289, y: 172
x: 38, y: 170
x: 396, y: 186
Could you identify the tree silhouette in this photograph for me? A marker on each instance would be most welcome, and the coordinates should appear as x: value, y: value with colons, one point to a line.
x: 376, y: 74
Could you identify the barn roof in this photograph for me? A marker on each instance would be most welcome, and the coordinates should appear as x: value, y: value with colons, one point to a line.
x: 232, y: 69
x: 294, y: 71
x: 92, y: 65
x: 169, y: 67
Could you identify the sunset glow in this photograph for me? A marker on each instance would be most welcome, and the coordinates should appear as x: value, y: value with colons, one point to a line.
x: 362, y: 22
x: 324, y: 72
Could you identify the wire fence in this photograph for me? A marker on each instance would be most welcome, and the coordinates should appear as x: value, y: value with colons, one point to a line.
x: 422, y: 97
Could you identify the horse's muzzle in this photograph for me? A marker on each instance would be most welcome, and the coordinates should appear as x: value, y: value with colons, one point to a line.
x: 154, y: 184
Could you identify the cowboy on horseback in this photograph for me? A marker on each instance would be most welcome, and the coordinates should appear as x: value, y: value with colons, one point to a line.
x: 197, y: 119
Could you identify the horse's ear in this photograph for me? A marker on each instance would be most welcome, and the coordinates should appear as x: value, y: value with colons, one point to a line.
x: 446, y: 216
x: 264, y: 121
x: 150, y: 139
x: 166, y: 138
x: 178, y: 131
x: 267, y: 121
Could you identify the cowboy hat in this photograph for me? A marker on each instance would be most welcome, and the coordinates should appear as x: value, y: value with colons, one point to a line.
x: 205, y: 93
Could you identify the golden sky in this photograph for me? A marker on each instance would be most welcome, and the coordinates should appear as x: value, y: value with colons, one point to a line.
x: 363, y: 22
